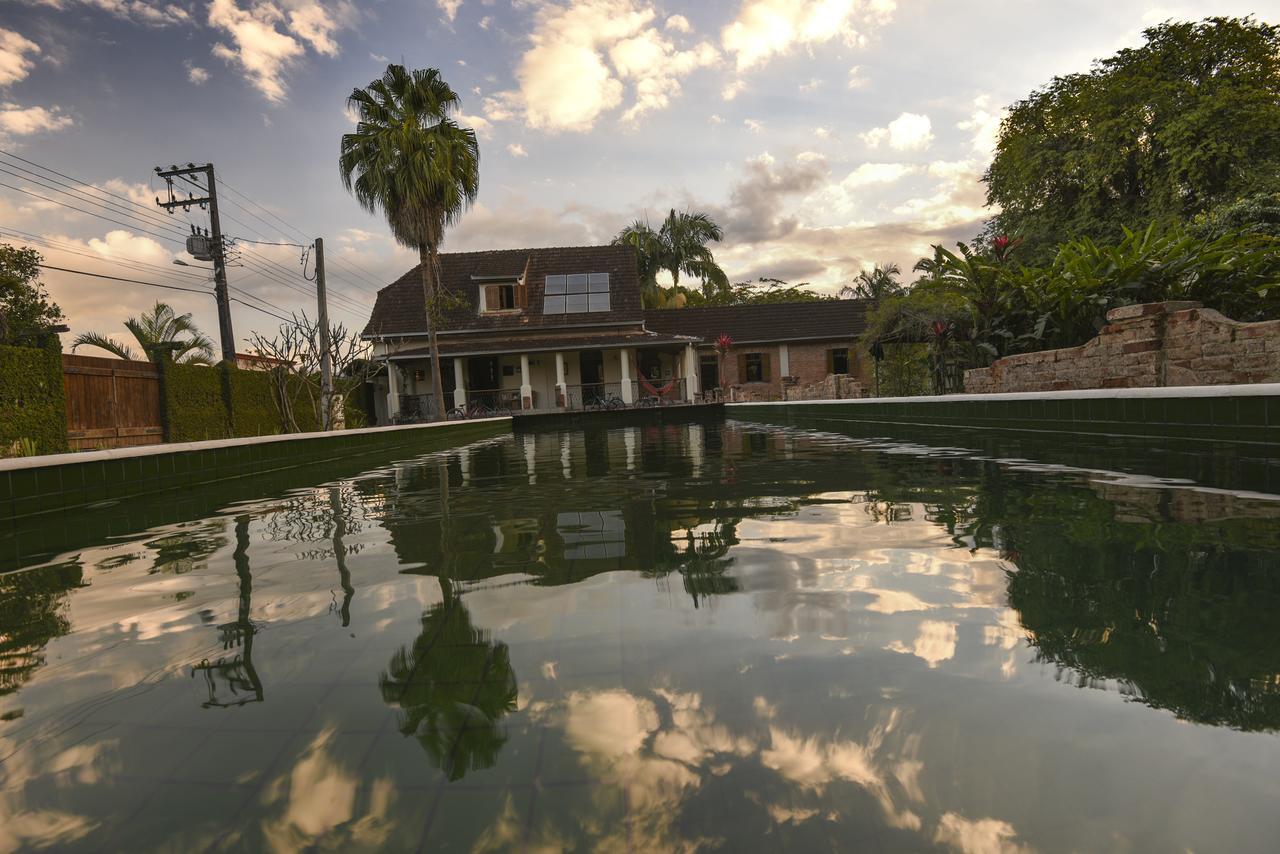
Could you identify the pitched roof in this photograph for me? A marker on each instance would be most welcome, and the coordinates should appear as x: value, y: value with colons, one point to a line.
x: 399, y: 309
x: 785, y: 321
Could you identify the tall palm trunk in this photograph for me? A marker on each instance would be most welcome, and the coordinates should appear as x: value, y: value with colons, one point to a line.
x: 430, y: 266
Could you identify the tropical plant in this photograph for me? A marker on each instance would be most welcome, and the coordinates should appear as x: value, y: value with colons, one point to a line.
x: 877, y: 283
x: 724, y: 343
x: 25, y: 310
x: 763, y: 291
x: 161, y: 333
x: 1182, y: 124
x: 409, y: 160
x: 678, y: 246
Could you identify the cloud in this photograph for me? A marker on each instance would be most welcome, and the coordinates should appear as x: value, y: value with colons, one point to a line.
x: 449, y: 7
x: 17, y: 120
x: 197, y: 75
x: 582, y: 59
x: 515, y: 149
x: 716, y: 119
x: 155, y: 13
x: 752, y: 125
x: 482, y: 126
x: 984, y: 125
x: 679, y: 24
x: 959, y: 196
x: 908, y: 132
x: 764, y: 29
x: 266, y: 41
x: 856, y: 80
x: 869, y: 174
x: 984, y: 836
x: 486, y: 22
x: 377, y: 57
x: 15, y: 65
x: 757, y: 200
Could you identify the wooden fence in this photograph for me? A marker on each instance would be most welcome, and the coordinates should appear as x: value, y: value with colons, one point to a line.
x: 111, y: 403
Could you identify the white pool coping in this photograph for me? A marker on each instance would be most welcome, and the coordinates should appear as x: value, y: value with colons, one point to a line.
x: 1244, y: 390
x: 20, y: 463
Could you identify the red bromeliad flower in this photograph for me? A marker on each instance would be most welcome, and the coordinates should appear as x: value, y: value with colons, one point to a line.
x: 1002, y: 242
x: 939, y: 329
x: 724, y: 343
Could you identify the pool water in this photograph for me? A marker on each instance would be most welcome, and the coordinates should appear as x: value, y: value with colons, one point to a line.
x: 707, y: 636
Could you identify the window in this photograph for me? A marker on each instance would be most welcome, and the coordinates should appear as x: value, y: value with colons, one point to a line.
x: 499, y: 297
x: 577, y: 293
x: 757, y: 370
x: 838, y: 361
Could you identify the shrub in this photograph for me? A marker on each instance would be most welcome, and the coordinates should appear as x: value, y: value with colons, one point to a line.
x: 33, y: 409
x: 254, y: 411
x: 194, y: 406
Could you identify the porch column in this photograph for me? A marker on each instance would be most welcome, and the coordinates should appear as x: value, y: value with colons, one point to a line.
x: 526, y: 388
x: 691, y: 378
x: 562, y: 388
x: 459, y: 384
x: 393, y: 389
x: 628, y: 393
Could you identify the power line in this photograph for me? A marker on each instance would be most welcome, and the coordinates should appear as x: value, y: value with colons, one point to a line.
x: 60, y: 246
x: 79, y: 181
x: 267, y: 242
x: 120, y: 279
x: 263, y: 310
x: 133, y: 226
x: 111, y: 207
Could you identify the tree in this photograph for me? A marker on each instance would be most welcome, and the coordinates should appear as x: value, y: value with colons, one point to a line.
x: 409, y: 160
x: 25, y: 310
x: 877, y: 283
x: 763, y: 291
x: 1159, y: 133
x: 296, y: 350
x: 161, y: 333
x: 678, y: 246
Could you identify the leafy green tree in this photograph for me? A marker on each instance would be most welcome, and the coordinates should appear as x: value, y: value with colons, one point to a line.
x: 25, y: 310
x: 1160, y: 133
x: 763, y: 291
x: 1255, y: 214
x: 877, y: 283
x: 678, y: 246
x: 409, y: 160
x: 160, y: 333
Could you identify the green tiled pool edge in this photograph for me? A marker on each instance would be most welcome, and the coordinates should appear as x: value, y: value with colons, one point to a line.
x: 1225, y: 414
x: 70, y: 481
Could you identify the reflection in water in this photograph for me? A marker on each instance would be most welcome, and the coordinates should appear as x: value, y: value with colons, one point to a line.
x: 453, y: 686
x: 232, y: 680
x: 662, y: 638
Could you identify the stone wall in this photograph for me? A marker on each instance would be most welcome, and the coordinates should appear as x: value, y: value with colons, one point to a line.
x: 1156, y: 344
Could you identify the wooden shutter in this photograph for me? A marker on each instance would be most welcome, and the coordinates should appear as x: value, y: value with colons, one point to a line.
x: 766, y: 367
x: 742, y: 367
x: 831, y: 362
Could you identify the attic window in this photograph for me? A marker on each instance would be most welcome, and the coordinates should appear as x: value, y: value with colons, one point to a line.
x: 576, y: 293
x: 500, y: 297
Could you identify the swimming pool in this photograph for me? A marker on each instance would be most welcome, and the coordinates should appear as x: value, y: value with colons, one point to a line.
x: 674, y: 637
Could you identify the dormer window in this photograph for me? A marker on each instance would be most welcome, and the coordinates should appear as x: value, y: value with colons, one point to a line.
x: 500, y: 297
x: 500, y: 294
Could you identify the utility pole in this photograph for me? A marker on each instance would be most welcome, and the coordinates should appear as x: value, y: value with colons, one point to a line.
x: 216, y: 252
x: 326, y: 363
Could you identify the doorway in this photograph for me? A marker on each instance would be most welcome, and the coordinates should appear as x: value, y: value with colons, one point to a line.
x: 591, y: 371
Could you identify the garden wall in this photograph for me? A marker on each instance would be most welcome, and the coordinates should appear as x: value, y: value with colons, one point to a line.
x: 31, y: 398
x: 36, y: 485
x: 1142, y: 346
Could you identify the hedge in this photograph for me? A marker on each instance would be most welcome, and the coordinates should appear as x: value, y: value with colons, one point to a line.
x: 253, y: 403
x: 194, y: 406
x: 32, y: 397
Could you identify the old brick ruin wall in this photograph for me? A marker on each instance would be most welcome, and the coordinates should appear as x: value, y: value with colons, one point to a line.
x: 1142, y: 346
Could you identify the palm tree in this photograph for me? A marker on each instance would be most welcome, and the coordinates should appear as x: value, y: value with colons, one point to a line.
x: 160, y: 333
x: 877, y: 283
x: 678, y: 246
x: 411, y: 161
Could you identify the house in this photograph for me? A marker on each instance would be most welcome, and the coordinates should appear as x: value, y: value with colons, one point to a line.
x: 776, y: 347
x: 564, y: 327
x: 259, y: 362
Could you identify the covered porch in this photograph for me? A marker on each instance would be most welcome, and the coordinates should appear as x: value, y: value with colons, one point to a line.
x: 478, y: 381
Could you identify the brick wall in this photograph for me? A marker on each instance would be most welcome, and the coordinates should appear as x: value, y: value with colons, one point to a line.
x: 807, y: 377
x: 1157, y: 344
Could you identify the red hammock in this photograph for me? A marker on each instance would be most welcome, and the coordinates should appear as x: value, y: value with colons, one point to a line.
x: 657, y: 392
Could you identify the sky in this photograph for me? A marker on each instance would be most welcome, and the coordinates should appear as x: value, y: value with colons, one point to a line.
x: 824, y: 135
